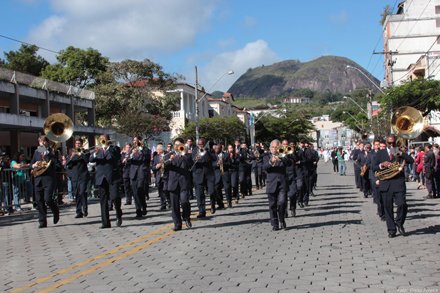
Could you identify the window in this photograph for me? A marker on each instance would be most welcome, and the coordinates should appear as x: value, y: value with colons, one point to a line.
x: 211, y: 113
x: 437, y: 10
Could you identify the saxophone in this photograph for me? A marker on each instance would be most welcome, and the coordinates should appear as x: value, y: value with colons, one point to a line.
x: 364, y: 169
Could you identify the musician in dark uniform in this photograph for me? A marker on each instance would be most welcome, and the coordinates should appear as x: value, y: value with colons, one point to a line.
x: 276, y: 188
x: 126, y: 173
x: 429, y: 162
x: 203, y: 173
x: 362, y: 161
x: 302, y: 173
x: 258, y: 166
x: 334, y: 156
x: 357, y: 169
x: 393, y: 189
x: 78, y: 163
x: 290, y: 162
x: 264, y: 174
x: 233, y: 170
x: 162, y: 179
x: 373, y: 179
x: 45, y: 183
x: 314, y: 165
x: 178, y: 185
x: 108, y: 178
x: 191, y: 148
x: 139, y: 160
x: 245, y: 170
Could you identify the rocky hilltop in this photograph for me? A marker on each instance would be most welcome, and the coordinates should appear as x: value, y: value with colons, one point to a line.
x: 327, y: 72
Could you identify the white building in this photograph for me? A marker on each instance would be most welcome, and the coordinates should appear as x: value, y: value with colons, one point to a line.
x: 410, y: 41
x: 297, y: 100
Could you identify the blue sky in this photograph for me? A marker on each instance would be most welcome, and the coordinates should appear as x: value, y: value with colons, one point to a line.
x: 216, y: 36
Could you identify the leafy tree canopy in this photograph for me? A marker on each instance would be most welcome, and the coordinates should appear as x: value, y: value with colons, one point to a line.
x: 217, y: 94
x: 25, y: 60
x: 387, y: 10
x: 77, y: 67
x: 422, y: 94
x: 219, y: 129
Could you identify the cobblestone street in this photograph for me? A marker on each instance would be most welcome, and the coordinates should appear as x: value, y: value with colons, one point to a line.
x: 336, y: 244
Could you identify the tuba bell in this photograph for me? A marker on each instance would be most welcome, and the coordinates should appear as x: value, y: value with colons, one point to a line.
x: 58, y: 128
x: 367, y: 136
x: 407, y: 123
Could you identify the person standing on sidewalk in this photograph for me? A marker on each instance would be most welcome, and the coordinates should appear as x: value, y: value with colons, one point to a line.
x: 393, y: 189
x: 341, y: 162
x: 429, y: 165
x: 334, y: 156
x: 277, y: 186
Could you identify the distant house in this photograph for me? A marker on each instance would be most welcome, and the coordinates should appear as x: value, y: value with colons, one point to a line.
x: 293, y: 100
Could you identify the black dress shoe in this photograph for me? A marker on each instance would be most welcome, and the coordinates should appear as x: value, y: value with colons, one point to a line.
x: 119, y: 222
x: 221, y: 208
x: 401, y: 230
x: 293, y: 213
x: 201, y: 216
x: 163, y: 208
x: 301, y: 205
x: 188, y: 224
x: 104, y: 227
x: 138, y: 216
x: 382, y: 218
x: 110, y: 208
x: 230, y: 204
x: 306, y: 204
x: 41, y: 226
x: 144, y: 212
x: 78, y: 216
x: 391, y: 235
x: 127, y: 203
x: 213, y: 210
x: 275, y: 228
x: 56, y: 217
x: 177, y: 228
x: 86, y: 214
x: 283, y: 226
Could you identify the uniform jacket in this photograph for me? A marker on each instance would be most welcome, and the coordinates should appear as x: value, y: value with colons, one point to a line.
x: 275, y: 174
x: 78, y: 165
x: 178, y: 172
x: 48, y: 177
x: 140, y: 164
x: 107, y: 165
x: 203, y: 166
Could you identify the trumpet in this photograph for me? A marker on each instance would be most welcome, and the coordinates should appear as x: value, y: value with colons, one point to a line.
x: 200, y: 152
x: 78, y: 151
x: 289, y: 149
x: 104, y: 142
x: 280, y: 151
x: 222, y: 170
x: 181, y: 149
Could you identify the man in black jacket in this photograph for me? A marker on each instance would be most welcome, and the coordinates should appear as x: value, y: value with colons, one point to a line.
x: 245, y: 170
x: 357, y: 169
x: 393, y: 189
x: 161, y: 175
x: 139, y: 160
x: 203, y: 173
x: 179, y: 182
x: 276, y: 188
x: 108, y: 178
x: 125, y: 156
x: 373, y: 180
x: 429, y: 164
x: 45, y: 183
x: 78, y: 163
x: 302, y: 173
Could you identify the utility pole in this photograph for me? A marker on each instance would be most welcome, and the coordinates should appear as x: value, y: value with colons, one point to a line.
x: 196, y: 98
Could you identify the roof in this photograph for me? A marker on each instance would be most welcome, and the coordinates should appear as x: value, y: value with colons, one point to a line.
x: 144, y: 82
x: 228, y: 95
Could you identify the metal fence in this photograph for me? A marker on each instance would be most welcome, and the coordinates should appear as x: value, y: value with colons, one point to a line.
x: 16, y: 188
x: 41, y: 83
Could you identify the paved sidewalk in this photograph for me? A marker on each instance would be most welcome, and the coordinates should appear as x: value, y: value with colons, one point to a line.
x: 337, y: 244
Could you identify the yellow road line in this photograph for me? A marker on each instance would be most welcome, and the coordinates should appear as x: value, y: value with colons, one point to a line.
x: 101, y: 256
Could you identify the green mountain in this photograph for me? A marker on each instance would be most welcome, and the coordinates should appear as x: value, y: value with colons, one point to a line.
x: 327, y: 72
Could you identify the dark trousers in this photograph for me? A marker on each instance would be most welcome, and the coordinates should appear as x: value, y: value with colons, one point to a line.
x: 109, y: 192
x: 164, y: 195
x: 59, y: 188
x: 226, y: 182
x: 138, y: 186
x: 277, y: 206
x: 200, y: 194
x: 377, y: 198
x: 357, y: 176
x: 219, y: 193
x: 314, y: 178
x: 300, y: 188
x: 264, y: 176
x: 389, y: 198
x: 437, y: 182
x: 179, y: 198
x: 430, y: 185
x: 128, y: 190
x: 258, y: 174
x: 335, y: 166
x: 44, y: 196
x: 191, y: 185
x: 366, y: 187
x: 79, y: 189
x: 234, y: 183
x: 245, y: 182
x: 293, y: 194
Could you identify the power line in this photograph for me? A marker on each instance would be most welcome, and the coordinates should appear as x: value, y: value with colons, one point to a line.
x: 28, y: 44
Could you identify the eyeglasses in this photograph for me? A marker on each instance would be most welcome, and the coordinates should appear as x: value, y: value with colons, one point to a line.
x: 391, y: 142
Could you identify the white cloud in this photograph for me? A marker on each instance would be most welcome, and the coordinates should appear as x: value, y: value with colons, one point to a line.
x: 226, y: 44
x: 339, y: 19
x: 133, y: 29
x: 252, y: 55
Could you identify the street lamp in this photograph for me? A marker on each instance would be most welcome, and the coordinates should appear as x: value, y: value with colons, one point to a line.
x: 351, y: 67
x: 253, y: 126
x: 354, y: 119
x: 356, y: 104
x: 199, y: 100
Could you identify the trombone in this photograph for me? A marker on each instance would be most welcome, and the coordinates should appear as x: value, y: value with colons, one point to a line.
x: 200, y: 152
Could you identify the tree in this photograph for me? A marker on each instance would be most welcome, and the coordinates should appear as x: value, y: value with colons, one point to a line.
x: 219, y: 129
x: 387, y: 10
x: 290, y: 125
x: 77, y: 67
x: 217, y: 94
x: 422, y: 94
x: 131, y: 88
x: 25, y: 60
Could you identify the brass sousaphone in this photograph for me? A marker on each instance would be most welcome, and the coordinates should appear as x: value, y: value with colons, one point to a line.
x: 58, y: 128
x: 407, y: 123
